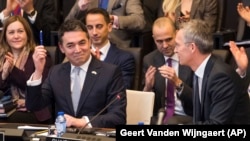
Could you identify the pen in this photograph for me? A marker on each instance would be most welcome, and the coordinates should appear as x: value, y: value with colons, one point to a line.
x: 41, y: 37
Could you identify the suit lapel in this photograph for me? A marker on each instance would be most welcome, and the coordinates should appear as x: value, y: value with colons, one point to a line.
x: 208, y: 69
x: 93, y: 72
x: 66, y: 85
x: 160, y: 61
x: 111, y: 54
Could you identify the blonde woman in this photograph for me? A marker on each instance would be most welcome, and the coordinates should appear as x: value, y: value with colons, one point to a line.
x: 169, y: 7
x: 17, y: 47
x: 184, y: 10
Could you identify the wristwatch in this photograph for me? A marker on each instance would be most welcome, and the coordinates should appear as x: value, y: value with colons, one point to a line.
x: 32, y: 13
x: 180, y: 86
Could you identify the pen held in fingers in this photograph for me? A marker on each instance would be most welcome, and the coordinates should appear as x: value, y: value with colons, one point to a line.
x: 41, y: 37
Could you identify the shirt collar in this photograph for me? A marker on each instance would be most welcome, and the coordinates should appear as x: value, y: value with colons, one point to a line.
x: 173, y: 57
x: 84, y: 66
x: 200, y: 70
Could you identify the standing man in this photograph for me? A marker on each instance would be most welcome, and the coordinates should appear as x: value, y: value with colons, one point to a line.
x: 216, y: 96
x: 99, y: 84
x: 99, y: 27
x: 40, y: 14
x: 159, y: 76
x: 126, y: 15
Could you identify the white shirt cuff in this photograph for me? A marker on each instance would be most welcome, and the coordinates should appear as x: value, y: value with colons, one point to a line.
x: 31, y: 82
x: 33, y: 18
x: 2, y: 18
x: 242, y: 76
x: 116, y: 22
x: 87, y: 121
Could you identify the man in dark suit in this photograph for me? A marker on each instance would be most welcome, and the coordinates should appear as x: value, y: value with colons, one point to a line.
x: 127, y: 17
x: 40, y: 14
x: 99, y: 27
x: 218, y: 98
x: 101, y: 83
x: 157, y: 73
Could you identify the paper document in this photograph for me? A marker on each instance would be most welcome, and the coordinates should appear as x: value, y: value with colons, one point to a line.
x: 27, y: 127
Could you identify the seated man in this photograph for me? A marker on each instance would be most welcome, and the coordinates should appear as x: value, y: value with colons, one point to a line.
x: 159, y: 76
x: 217, y: 95
x: 126, y: 15
x: 100, y: 84
x: 99, y: 26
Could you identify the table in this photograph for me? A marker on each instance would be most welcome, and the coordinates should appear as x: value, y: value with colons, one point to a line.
x: 14, y: 134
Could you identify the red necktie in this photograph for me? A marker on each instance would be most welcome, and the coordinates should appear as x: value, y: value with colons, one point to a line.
x: 17, y: 11
x: 98, y: 53
x: 169, y: 99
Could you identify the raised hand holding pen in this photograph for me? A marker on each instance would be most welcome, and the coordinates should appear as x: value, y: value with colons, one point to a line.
x: 39, y: 58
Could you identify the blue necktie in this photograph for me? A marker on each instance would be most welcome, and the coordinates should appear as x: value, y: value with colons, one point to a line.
x: 103, y: 4
x: 76, y: 92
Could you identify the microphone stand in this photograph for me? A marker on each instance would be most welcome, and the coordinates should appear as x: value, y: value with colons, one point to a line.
x: 111, y: 102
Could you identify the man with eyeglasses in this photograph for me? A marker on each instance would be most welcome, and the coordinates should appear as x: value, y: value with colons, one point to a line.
x: 160, y: 77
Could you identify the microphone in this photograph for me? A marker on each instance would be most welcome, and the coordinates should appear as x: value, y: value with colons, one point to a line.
x: 99, y: 113
x: 161, y: 114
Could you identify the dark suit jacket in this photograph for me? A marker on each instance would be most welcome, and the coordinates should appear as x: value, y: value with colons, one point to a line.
x: 102, y: 84
x: 125, y: 61
x: 222, y: 101
x: 46, y: 19
x: 156, y: 59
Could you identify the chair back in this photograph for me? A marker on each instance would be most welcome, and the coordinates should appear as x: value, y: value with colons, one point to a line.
x: 223, y: 54
x: 140, y: 107
x: 52, y: 52
x: 137, y: 53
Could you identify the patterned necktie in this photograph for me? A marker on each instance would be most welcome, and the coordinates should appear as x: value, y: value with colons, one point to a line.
x: 196, y: 99
x: 169, y: 97
x: 98, y: 53
x: 76, y: 91
x: 17, y: 11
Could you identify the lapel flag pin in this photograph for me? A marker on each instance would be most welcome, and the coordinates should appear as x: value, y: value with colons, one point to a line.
x: 94, y: 72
